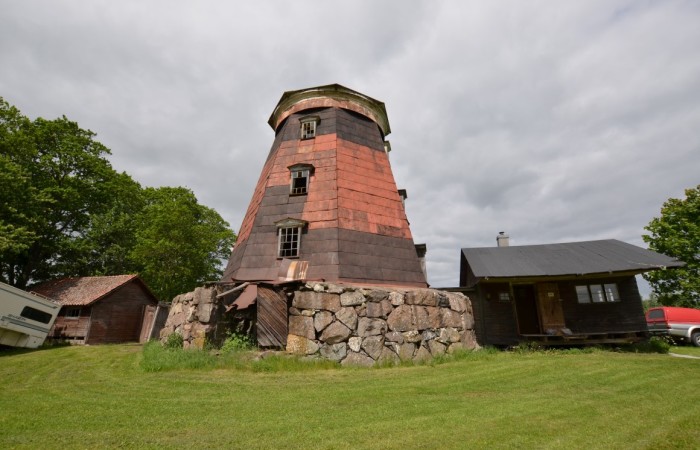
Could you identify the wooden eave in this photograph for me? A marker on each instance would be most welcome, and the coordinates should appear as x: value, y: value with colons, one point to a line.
x: 571, y: 277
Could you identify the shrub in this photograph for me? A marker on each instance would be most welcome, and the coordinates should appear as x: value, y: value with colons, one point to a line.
x: 655, y: 344
x: 237, y: 342
x: 173, y: 342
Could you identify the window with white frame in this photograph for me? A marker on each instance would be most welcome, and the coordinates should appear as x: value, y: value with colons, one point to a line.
x: 289, y: 237
x: 597, y: 293
x: 308, y: 126
x: 300, y: 175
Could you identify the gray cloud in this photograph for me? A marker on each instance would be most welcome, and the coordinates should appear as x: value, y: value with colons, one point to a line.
x: 552, y: 121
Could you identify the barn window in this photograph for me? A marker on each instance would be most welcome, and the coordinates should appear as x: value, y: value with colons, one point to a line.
x: 300, y: 174
x: 289, y: 237
x: 597, y: 293
x: 72, y: 313
x: 34, y: 314
x: 308, y: 126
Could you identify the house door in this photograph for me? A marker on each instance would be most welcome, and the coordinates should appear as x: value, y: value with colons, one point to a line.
x: 526, y: 309
x: 549, y: 307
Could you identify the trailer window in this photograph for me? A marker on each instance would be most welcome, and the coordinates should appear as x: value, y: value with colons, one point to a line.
x: 34, y: 314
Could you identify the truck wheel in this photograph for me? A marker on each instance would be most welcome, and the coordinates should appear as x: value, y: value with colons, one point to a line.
x: 695, y: 338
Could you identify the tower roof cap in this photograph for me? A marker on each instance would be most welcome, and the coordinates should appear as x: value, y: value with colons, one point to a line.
x: 328, y: 96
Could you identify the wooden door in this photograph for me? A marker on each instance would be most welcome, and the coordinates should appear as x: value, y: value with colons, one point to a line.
x: 272, y: 318
x: 549, y: 306
x: 149, y: 316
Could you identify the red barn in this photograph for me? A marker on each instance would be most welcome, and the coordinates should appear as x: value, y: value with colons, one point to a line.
x: 99, y: 310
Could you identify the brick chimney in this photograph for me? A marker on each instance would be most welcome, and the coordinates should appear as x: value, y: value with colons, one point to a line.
x: 503, y: 240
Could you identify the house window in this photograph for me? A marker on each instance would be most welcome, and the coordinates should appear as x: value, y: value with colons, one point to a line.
x: 308, y: 126
x: 34, y: 314
x: 72, y: 313
x: 597, y: 293
x: 300, y: 174
x: 289, y: 237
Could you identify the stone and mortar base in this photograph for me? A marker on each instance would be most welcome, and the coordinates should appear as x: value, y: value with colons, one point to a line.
x: 195, y: 316
x: 364, y: 326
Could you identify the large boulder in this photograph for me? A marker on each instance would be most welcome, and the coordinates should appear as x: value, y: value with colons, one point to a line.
x: 401, y: 319
x: 334, y: 333
x: 299, y: 345
x: 370, y: 327
x: 334, y: 352
x: 316, y: 300
x: 302, y: 326
x: 352, y: 298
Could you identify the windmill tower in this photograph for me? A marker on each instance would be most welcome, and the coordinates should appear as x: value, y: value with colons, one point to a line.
x: 326, y: 204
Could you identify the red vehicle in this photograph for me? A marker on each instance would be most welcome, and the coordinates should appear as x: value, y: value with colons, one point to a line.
x: 678, y: 323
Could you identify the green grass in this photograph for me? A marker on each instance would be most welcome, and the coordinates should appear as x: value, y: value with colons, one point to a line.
x: 102, y: 396
x: 685, y: 350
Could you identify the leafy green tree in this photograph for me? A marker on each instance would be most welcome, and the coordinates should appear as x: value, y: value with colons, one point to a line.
x: 677, y: 233
x: 64, y: 211
x: 54, y: 178
x: 179, y: 243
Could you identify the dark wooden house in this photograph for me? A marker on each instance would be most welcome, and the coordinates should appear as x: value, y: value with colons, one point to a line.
x: 326, y: 197
x: 98, y: 310
x: 579, y: 292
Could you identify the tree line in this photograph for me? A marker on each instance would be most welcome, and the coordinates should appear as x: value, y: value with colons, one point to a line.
x: 64, y: 212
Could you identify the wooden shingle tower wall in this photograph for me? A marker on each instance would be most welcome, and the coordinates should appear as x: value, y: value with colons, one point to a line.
x: 327, y: 196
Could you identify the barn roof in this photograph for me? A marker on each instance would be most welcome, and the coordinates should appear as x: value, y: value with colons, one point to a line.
x: 572, y: 258
x: 84, y: 291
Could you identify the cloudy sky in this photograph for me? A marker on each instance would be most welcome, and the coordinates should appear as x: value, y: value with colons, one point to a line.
x: 553, y: 121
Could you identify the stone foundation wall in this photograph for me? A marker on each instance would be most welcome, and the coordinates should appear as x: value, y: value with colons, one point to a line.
x: 349, y: 324
x: 358, y: 326
x: 194, y: 316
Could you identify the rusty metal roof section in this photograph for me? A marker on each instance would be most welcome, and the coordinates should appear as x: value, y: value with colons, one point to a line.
x: 84, y: 291
x: 291, y: 270
x: 352, y: 219
x: 573, y: 258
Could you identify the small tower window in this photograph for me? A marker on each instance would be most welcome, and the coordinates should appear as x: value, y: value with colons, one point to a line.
x: 300, y: 174
x: 289, y: 237
x: 308, y: 126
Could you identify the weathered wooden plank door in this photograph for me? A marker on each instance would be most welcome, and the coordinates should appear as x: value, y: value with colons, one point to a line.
x: 549, y: 306
x: 272, y: 324
x: 149, y: 315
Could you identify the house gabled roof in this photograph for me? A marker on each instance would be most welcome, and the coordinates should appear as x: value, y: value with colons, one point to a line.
x: 84, y: 291
x: 573, y: 258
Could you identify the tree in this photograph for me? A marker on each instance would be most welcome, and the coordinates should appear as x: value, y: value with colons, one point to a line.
x: 55, y: 177
x: 677, y: 233
x: 179, y: 243
x: 64, y: 211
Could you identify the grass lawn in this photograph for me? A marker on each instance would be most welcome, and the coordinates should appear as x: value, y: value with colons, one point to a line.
x: 91, y: 397
x: 685, y: 350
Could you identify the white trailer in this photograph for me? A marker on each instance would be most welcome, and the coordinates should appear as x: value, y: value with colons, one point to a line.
x: 25, y: 318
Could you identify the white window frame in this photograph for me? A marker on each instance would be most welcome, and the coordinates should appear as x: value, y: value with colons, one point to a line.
x: 297, y: 172
x: 289, y: 237
x: 597, y: 293
x: 307, y: 129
